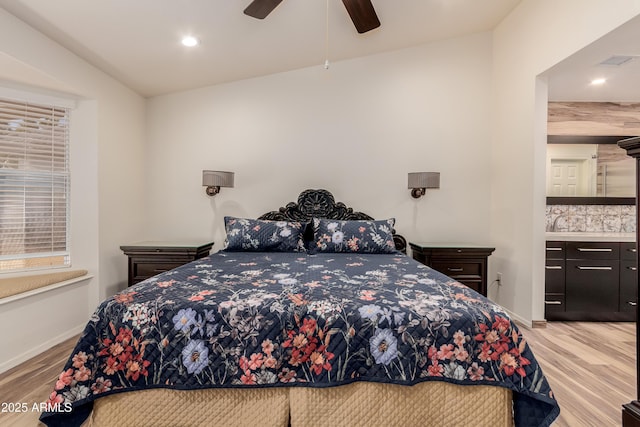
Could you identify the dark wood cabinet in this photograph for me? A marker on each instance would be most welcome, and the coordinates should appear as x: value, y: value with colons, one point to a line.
x: 147, y: 259
x: 593, y: 277
x: 589, y: 281
x: 628, y: 278
x: 465, y: 263
x: 554, y: 297
x: 592, y: 286
x: 631, y: 411
x: 593, y: 250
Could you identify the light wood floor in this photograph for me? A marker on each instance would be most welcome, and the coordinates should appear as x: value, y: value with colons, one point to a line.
x: 590, y: 366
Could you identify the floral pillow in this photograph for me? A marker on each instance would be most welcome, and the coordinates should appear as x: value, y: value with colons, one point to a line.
x: 263, y: 236
x: 371, y: 237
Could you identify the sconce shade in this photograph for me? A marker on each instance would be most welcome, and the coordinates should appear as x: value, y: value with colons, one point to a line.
x: 214, y: 180
x: 424, y: 180
x: 217, y: 179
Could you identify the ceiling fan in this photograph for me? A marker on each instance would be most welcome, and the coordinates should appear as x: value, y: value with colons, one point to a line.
x: 361, y: 12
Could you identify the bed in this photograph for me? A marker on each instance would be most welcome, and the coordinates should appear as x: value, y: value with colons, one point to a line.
x: 312, y: 315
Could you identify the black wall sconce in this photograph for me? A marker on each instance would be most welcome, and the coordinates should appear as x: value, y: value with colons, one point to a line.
x: 420, y: 181
x: 214, y: 180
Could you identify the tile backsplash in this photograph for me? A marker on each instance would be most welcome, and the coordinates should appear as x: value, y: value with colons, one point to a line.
x: 591, y: 218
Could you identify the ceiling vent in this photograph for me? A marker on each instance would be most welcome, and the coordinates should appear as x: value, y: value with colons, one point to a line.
x: 618, y: 60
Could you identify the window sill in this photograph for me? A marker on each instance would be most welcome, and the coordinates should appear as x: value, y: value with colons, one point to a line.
x: 42, y: 289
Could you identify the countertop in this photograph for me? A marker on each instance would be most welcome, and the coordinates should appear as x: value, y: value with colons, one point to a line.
x: 590, y: 237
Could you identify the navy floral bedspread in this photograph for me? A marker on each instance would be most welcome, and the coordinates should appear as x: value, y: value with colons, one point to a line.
x: 293, y: 319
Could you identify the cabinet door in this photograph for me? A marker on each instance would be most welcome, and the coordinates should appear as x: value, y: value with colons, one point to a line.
x: 593, y: 250
x: 554, y: 276
x: 593, y: 285
x: 553, y: 304
x: 555, y: 249
x: 628, y: 286
x: 628, y: 251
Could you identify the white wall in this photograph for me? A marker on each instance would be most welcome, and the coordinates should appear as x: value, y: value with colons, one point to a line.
x: 107, y: 200
x: 534, y: 37
x: 356, y: 129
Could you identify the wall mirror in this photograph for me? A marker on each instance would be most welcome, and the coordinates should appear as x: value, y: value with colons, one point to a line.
x: 592, y: 167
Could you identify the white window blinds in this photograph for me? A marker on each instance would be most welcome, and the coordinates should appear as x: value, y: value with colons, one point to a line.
x: 34, y: 185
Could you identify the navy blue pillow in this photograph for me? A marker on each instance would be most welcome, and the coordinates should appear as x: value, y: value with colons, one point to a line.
x: 263, y: 236
x: 370, y: 237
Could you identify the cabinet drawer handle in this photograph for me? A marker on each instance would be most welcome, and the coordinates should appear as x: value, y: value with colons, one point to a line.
x: 554, y: 249
x: 632, y: 303
x: 553, y: 267
x: 455, y: 270
x: 580, y: 267
x: 633, y: 268
x: 595, y: 249
x: 553, y: 302
x: 632, y: 250
x: 160, y: 270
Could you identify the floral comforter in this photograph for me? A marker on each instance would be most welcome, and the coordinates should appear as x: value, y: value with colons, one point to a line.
x: 237, y: 319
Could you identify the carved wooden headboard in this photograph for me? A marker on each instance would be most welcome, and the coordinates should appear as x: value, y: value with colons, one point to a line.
x: 321, y: 204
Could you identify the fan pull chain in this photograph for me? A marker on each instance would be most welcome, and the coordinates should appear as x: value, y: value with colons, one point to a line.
x: 326, y: 55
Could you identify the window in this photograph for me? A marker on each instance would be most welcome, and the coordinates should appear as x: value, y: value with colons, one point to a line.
x: 34, y: 185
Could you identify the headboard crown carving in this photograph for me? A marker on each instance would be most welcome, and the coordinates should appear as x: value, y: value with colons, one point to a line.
x: 315, y: 203
x: 321, y: 204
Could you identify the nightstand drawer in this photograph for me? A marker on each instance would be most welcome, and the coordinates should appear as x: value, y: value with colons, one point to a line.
x: 458, y: 269
x: 145, y: 270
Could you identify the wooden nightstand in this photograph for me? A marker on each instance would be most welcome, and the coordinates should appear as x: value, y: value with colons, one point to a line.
x: 146, y: 259
x: 463, y: 262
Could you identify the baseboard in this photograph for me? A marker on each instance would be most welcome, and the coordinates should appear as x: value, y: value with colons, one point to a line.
x: 519, y: 320
x: 538, y: 324
x: 5, y: 366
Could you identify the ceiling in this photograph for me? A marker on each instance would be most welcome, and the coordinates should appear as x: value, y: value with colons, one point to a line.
x: 570, y: 79
x: 138, y: 41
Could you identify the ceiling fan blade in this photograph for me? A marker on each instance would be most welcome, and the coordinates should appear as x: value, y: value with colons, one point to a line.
x: 261, y: 8
x: 362, y: 14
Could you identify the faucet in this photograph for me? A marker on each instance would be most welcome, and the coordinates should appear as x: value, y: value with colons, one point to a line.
x: 554, y: 227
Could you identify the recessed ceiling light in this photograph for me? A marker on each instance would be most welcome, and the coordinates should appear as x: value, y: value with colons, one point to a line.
x: 190, y: 41
x: 598, y: 81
